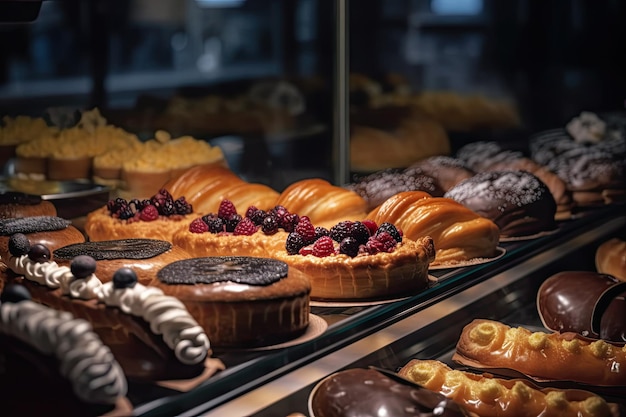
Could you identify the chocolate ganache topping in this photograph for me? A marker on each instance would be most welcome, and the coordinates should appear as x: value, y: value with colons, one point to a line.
x: 115, y: 249
x: 209, y: 270
x: 373, y: 393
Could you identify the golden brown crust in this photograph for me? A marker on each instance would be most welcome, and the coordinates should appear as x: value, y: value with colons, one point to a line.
x: 546, y: 356
x: 101, y: 226
x: 611, y: 258
x: 324, y: 203
x: 204, y: 187
x: 366, y: 277
x: 488, y: 396
x: 459, y: 233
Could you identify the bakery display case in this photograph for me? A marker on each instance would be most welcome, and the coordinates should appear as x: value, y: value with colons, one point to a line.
x: 355, y: 94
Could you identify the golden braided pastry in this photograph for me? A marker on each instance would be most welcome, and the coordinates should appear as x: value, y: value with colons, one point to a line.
x: 488, y: 396
x: 204, y: 187
x: 325, y: 204
x: 459, y: 233
x: 546, y: 356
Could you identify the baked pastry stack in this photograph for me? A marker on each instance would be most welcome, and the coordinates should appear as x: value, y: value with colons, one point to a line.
x: 459, y: 234
x: 488, y: 396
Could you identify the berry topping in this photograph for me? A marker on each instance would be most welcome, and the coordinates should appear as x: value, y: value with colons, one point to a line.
x: 270, y: 225
x: 149, y: 213
x: 216, y: 225
x: 162, y: 201
x: 198, y: 226
x: 231, y: 223
x: 349, y: 246
x: 256, y: 215
x: 323, y: 247
x: 388, y: 241
x: 341, y: 230
x: 391, y: 229
x: 360, y: 232
x: 182, y: 206
x: 39, y: 253
x: 321, y: 231
x: 374, y: 246
x: 289, y: 222
x: 226, y: 210
x: 19, y: 244
x: 306, y: 229
x: 14, y: 293
x: 371, y: 225
x: 306, y: 250
x: 124, y: 278
x: 294, y: 243
x: 82, y: 266
x: 245, y: 227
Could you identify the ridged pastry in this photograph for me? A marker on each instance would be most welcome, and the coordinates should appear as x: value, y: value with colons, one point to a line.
x: 488, y: 344
x: 611, y: 258
x: 366, y: 277
x: 488, y: 396
x: 205, y: 187
x: 324, y: 203
x: 459, y: 233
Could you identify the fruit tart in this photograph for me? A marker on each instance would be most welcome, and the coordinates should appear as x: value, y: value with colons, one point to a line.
x: 358, y: 260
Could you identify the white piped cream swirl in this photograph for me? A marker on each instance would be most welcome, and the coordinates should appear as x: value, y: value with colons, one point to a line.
x: 95, y: 375
x: 167, y: 316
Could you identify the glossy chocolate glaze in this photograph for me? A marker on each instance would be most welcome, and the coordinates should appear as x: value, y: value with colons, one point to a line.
x: 569, y: 301
x: 517, y: 201
x: 372, y: 393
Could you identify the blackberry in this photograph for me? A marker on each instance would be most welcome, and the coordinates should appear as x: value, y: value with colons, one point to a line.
x: 167, y: 208
x: 216, y: 225
x: 289, y: 222
x: 256, y: 215
x: 294, y: 243
x: 125, y: 213
x: 270, y: 225
x: 360, y: 232
x: 182, y: 206
x: 391, y: 229
x: 280, y: 212
x: 349, y: 246
x: 232, y: 222
x: 321, y: 231
x: 341, y: 230
x: 116, y: 205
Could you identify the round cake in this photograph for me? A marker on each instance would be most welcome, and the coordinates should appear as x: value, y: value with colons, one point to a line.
x: 16, y: 204
x: 446, y: 170
x: 156, y: 218
x: 517, y: 201
x: 145, y: 256
x: 357, y: 262
x: 241, y: 302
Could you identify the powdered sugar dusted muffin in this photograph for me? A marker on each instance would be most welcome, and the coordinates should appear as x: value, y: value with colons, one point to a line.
x: 517, y: 201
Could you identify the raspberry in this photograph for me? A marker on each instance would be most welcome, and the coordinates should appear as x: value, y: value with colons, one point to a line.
x: 323, y: 247
x: 321, y: 231
x: 341, y: 230
x: 149, y: 213
x: 306, y: 250
x: 226, y: 209
x: 371, y: 225
x: 389, y: 242
x: 360, y: 232
x: 294, y: 243
x: 245, y: 227
x: 349, y: 246
x: 215, y: 224
x: 182, y: 206
x: 270, y: 225
x: 373, y: 246
x: 198, y: 226
x: 391, y: 229
x: 306, y: 229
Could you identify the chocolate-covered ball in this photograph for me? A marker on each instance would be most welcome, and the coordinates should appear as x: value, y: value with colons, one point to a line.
x: 124, y: 278
x: 39, y: 253
x: 19, y: 244
x: 14, y: 293
x: 82, y: 266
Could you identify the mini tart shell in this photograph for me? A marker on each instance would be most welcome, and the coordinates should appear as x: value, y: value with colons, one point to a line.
x: 211, y: 244
x: 366, y: 277
x: 101, y: 226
